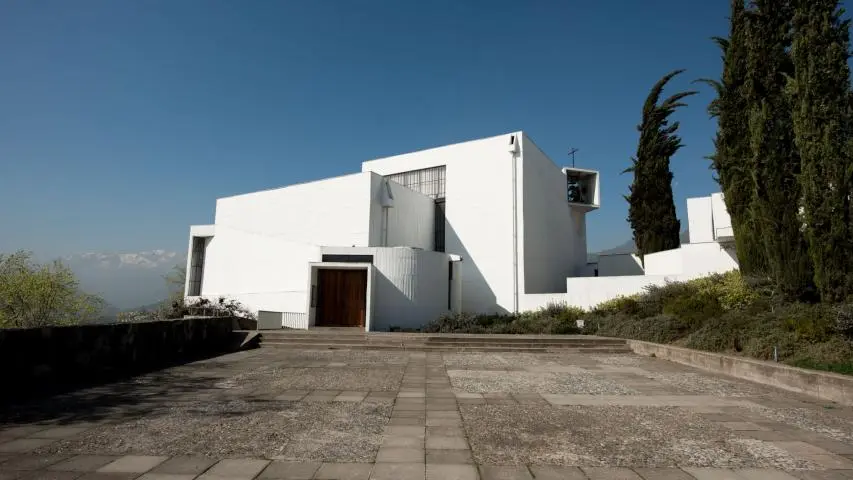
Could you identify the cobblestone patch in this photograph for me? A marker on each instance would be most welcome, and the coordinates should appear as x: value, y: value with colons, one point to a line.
x: 358, y: 358
x: 771, y: 455
x: 363, y: 379
x: 619, y: 360
x: 615, y: 436
x: 692, y: 382
x: 322, y: 431
x: 480, y: 381
x: 826, y: 422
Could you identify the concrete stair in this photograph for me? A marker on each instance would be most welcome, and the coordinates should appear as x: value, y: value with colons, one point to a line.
x: 326, y: 339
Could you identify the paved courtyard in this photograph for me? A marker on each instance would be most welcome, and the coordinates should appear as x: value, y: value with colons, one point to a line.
x: 299, y: 414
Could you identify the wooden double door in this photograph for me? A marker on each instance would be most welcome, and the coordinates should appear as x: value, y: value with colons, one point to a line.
x: 341, y: 297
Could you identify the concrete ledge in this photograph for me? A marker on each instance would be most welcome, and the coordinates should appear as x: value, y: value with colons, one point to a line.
x: 823, y: 385
x: 37, y: 361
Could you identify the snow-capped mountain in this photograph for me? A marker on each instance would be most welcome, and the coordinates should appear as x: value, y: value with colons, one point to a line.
x: 126, y: 280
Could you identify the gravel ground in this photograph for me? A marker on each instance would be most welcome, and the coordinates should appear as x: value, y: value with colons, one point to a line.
x: 226, y: 407
x: 360, y: 379
x: 481, y: 381
x: 300, y: 358
x: 514, y: 361
x: 321, y: 431
x: 618, y: 360
x: 620, y: 436
x: 705, y: 384
x: 826, y: 422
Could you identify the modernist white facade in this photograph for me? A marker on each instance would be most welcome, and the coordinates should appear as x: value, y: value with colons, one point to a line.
x: 710, y: 250
x: 479, y: 226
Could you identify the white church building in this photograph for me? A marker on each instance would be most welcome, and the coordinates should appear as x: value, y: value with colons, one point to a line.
x: 489, y: 225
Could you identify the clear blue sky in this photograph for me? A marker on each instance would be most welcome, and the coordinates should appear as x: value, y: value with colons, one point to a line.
x: 121, y: 121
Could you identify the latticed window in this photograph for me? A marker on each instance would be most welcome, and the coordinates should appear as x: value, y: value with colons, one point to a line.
x: 428, y: 181
x: 196, y: 266
x: 432, y: 183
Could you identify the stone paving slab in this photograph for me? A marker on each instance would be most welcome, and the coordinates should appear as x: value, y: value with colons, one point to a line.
x: 291, y: 414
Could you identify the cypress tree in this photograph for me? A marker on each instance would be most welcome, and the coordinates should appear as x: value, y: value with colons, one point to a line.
x: 732, y: 161
x: 821, y: 114
x: 651, y: 210
x: 776, y: 163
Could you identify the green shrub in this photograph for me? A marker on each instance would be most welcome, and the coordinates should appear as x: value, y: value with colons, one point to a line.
x: 655, y: 297
x: 693, y: 309
x: 810, y: 323
x: 720, y: 313
x: 834, y: 355
x: 552, y: 319
x: 730, y: 289
x: 658, y: 329
x: 455, y: 322
x: 560, y: 312
x: 627, y: 305
x: 724, y: 332
x: 844, y: 320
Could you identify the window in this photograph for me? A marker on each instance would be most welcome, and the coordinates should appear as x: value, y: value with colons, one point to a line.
x: 438, y: 226
x: 197, y: 266
x: 428, y: 181
x: 347, y: 258
x: 432, y: 183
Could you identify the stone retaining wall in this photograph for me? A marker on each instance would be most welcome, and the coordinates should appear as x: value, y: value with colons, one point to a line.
x: 36, y: 360
x: 824, y: 385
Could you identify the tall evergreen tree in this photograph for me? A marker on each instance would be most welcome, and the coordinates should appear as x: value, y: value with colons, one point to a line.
x: 822, y: 128
x: 651, y: 210
x: 776, y: 162
x: 732, y: 160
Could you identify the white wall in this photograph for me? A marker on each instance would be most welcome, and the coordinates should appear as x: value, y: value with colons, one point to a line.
x: 410, y: 286
x: 552, y: 241
x: 699, y: 217
x: 692, y: 260
x: 590, y: 291
x: 706, y: 258
x: 410, y: 220
x: 619, y: 264
x: 261, y: 271
x: 335, y: 211
x: 722, y: 221
x: 478, y: 214
x: 264, y: 241
x: 667, y: 262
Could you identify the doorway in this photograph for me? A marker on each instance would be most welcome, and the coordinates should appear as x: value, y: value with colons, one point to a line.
x: 341, y: 297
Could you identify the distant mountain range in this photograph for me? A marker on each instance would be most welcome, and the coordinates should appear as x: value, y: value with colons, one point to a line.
x: 630, y: 247
x: 125, y: 280
x: 135, y: 281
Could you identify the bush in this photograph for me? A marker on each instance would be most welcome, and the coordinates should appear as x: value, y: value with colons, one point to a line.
x: 626, y: 305
x: 730, y: 289
x: 658, y: 329
x: 810, y: 323
x: 834, y: 355
x: 656, y: 296
x: 455, y: 322
x: 693, y: 309
x: 844, y: 320
x: 555, y: 319
x: 203, y: 307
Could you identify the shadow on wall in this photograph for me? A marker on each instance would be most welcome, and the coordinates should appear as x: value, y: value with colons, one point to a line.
x: 730, y: 250
x: 394, y: 306
x: 477, y: 295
